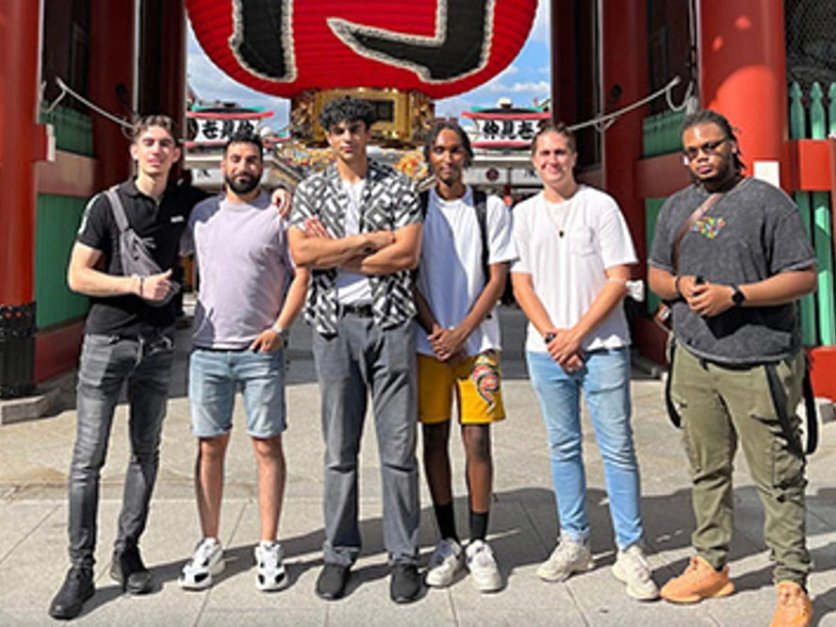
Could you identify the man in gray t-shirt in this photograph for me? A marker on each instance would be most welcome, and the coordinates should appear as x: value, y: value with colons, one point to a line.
x: 738, y: 364
x: 241, y: 325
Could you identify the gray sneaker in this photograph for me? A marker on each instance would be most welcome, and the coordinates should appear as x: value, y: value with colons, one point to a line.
x: 568, y: 557
x: 632, y: 569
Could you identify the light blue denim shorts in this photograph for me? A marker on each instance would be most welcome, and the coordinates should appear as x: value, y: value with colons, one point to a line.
x: 214, y: 378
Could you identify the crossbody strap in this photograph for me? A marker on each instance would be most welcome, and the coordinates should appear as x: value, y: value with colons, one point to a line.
x: 707, y: 204
x: 118, y: 209
x: 480, y: 205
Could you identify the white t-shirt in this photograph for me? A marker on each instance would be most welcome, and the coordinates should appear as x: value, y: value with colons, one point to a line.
x: 353, y: 287
x: 568, y: 272
x: 450, y: 276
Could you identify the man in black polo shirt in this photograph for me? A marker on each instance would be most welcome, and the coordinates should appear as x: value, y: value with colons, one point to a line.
x: 127, y: 339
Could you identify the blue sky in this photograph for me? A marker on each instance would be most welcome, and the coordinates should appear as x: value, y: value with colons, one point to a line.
x: 522, y: 81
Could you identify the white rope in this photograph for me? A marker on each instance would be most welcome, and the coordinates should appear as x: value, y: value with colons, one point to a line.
x: 66, y: 89
x: 603, y: 122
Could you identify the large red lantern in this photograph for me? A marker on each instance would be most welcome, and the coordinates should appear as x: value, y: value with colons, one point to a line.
x: 437, y: 47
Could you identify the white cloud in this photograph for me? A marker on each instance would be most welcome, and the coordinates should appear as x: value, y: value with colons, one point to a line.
x: 519, y: 87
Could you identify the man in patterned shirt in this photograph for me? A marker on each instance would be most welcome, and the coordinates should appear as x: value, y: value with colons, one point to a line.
x: 358, y: 227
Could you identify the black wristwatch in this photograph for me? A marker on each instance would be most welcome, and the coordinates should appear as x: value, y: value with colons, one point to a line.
x: 737, y: 296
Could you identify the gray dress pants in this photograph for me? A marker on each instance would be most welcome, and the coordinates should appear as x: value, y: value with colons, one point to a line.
x: 365, y: 358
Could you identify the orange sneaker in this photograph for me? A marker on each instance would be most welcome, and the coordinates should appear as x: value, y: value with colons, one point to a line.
x: 699, y: 581
x: 793, y: 608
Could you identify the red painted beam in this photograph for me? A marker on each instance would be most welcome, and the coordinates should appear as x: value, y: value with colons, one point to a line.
x: 823, y: 371
x: 650, y: 339
x: 56, y: 350
x: 69, y: 175
x: 659, y: 177
x: 810, y: 165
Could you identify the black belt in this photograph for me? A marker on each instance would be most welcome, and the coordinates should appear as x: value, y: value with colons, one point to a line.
x: 363, y: 311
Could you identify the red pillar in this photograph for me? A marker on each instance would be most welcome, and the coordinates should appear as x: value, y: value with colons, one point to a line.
x: 20, y: 35
x: 625, y: 81
x: 173, y: 71
x: 563, y: 53
x: 111, y: 84
x: 743, y: 71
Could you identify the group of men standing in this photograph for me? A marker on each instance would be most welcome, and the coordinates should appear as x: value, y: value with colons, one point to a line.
x: 388, y: 273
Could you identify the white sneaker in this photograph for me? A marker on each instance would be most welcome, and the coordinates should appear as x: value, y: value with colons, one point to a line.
x: 446, y: 563
x: 568, y: 557
x: 270, y: 572
x: 632, y: 569
x: 482, y: 566
x: 208, y: 560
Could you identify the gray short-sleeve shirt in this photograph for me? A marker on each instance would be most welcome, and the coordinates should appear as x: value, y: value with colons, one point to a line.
x: 754, y: 232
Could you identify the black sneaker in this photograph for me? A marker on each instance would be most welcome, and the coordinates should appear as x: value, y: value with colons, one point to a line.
x: 77, y: 588
x: 330, y: 585
x: 129, y: 571
x: 405, y: 585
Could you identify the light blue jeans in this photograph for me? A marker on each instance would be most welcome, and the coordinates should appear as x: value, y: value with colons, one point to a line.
x: 605, y: 382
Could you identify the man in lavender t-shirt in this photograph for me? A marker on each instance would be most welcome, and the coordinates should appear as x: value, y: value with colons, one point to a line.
x: 241, y: 322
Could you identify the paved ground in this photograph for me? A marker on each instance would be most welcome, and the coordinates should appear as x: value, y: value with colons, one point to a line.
x: 34, y: 458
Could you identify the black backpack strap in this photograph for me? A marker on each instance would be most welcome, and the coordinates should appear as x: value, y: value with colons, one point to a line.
x: 118, y: 209
x: 670, y: 406
x: 779, y: 401
x: 480, y: 205
x: 812, y: 426
x: 424, y: 197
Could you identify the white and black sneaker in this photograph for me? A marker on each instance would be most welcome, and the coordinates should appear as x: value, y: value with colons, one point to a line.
x: 208, y: 560
x: 270, y: 572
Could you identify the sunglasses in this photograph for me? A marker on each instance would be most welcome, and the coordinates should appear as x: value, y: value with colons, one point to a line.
x: 709, y: 148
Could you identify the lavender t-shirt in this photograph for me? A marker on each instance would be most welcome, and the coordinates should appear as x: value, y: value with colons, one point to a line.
x: 244, y: 266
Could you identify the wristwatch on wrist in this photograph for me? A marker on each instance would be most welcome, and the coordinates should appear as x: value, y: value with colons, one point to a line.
x: 283, y: 333
x: 548, y: 337
x: 738, y: 297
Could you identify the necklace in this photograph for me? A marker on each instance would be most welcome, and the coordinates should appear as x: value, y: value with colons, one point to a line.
x: 560, y: 224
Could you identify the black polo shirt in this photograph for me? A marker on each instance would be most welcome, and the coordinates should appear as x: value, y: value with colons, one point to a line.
x: 163, y: 224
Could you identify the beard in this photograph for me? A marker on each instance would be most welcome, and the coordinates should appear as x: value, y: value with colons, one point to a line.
x: 243, y: 184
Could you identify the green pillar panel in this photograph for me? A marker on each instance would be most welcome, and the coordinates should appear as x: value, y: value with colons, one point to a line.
x: 58, y: 218
x: 808, y: 303
x: 823, y: 240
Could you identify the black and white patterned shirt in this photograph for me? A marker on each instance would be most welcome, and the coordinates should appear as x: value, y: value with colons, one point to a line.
x: 389, y: 202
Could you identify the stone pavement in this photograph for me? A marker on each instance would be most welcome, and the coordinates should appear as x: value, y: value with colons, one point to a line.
x: 34, y: 457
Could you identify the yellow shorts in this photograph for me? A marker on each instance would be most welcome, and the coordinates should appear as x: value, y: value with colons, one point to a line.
x: 476, y: 382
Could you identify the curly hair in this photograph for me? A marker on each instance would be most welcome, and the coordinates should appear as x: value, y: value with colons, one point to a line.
x: 347, y: 109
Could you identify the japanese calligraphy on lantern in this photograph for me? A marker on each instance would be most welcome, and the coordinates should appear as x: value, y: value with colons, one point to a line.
x: 438, y: 47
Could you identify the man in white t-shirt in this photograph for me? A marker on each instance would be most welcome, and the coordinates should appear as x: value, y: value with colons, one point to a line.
x: 570, y: 279
x: 464, y: 265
